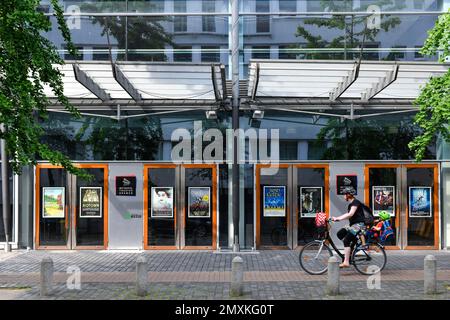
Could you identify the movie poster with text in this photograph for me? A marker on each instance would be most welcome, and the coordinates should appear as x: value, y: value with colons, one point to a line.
x: 199, y: 202
x: 310, y: 201
x: 274, y: 201
x: 383, y: 199
x: 162, y: 202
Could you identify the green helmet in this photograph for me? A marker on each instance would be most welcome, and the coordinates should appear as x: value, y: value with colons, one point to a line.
x: 384, y: 215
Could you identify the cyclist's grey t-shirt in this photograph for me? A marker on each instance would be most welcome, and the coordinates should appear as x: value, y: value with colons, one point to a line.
x: 359, y: 214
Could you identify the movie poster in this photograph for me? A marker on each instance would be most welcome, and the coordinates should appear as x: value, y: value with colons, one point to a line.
x: 90, y: 202
x: 199, y: 202
x: 383, y: 199
x: 274, y: 201
x: 53, y: 202
x: 346, y: 182
x: 310, y: 201
x: 162, y: 202
x: 420, y: 202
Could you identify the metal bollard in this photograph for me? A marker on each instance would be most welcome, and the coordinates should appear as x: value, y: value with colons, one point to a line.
x: 237, y: 277
x: 333, y: 276
x: 429, y: 269
x: 141, y: 276
x: 46, y: 276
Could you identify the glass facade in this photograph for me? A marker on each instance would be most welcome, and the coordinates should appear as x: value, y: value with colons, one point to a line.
x: 269, y: 29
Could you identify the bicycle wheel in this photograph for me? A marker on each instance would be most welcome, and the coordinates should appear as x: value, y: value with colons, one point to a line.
x: 369, y: 259
x: 314, y: 257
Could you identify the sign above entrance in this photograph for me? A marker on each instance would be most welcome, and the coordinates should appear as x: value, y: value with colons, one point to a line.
x: 346, y: 182
x: 126, y: 186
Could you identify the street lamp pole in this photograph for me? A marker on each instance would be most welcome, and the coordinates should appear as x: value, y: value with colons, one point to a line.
x: 235, y: 118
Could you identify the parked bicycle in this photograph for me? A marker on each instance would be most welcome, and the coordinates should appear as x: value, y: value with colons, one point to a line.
x: 368, y: 258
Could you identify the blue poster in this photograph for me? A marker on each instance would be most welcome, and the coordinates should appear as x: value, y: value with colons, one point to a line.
x: 274, y: 201
x: 420, y: 202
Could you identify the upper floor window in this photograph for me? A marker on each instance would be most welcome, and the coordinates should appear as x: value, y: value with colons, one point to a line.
x: 180, y: 22
x: 182, y: 54
x: 210, y: 54
x: 263, y: 22
x: 288, y: 5
x: 208, y: 22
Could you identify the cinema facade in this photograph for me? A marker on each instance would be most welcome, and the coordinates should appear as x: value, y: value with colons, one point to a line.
x: 341, y: 122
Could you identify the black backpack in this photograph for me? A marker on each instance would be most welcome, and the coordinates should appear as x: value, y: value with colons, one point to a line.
x: 368, y: 215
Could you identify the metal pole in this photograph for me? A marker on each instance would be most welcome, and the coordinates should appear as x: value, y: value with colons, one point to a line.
x: 5, y: 190
x: 235, y: 116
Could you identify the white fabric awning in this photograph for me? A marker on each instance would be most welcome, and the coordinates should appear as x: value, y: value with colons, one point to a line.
x: 339, y: 80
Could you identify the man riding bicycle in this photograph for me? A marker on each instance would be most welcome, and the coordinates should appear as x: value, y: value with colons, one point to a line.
x: 355, y: 215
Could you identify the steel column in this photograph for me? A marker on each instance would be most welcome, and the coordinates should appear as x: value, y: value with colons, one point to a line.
x: 235, y: 116
x: 5, y: 190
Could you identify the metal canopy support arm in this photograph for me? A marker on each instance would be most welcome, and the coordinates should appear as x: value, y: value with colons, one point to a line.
x: 390, y: 78
x: 83, y: 78
x: 346, y: 83
x: 122, y: 79
x: 255, y: 82
x: 217, y: 94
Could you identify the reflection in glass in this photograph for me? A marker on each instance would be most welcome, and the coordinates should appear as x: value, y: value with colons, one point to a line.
x: 161, y: 230
x: 273, y: 229
x: 385, y: 177
x: 52, y: 231
x: 421, y: 226
x: 314, y: 179
x: 11, y: 220
x: 198, y: 225
x: 90, y: 230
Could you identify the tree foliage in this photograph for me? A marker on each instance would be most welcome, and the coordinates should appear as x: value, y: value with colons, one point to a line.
x: 142, y: 32
x: 434, y: 100
x: 28, y: 63
x: 351, y: 29
x: 368, y: 139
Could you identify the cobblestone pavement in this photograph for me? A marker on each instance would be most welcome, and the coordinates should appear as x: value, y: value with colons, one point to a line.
x: 206, y: 275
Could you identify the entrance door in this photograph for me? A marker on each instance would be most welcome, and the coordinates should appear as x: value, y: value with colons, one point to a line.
x: 410, y: 193
x: 311, y: 190
x: 71, y: 213
x: 192, y: 189
x: 272, y: 210
x: 198, y: 224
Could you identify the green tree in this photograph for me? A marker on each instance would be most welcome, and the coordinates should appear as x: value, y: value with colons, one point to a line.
x: 29, y: 62
x: 350, y: 30
x: 363, y: 139
x: 142, y: 32
x: 434, y: 100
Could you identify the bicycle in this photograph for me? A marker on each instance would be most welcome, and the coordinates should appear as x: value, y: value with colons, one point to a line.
x: 367, y: 259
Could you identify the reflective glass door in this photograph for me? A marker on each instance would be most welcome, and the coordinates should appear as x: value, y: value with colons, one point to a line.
x: 198, y: 226
x: 160, y: 209
x: 272, y: 211
x: 71, y: 213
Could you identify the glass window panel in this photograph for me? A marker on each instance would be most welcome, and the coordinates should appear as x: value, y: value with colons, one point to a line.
x: 306, y: 178
x: 384, y: 177
x: 262, y: 21
x: 273, y: 229
x: 11, y: 224
x: 198, y: 230
x: 90, y: 230
x: 161, y: 230
x: 421, y: 206
x: 53, y: 231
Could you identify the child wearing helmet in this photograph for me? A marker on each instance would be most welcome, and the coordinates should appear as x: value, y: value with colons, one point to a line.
x: 382, y: 225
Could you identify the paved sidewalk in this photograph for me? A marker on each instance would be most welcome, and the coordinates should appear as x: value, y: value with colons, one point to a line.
x: 206, y: 275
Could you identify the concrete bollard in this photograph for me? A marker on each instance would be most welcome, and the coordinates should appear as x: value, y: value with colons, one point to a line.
x: 429, y: 268
x: 237, y: 277
x: 46, y: 276
x: 333, y: 276
x: 141, y: 276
